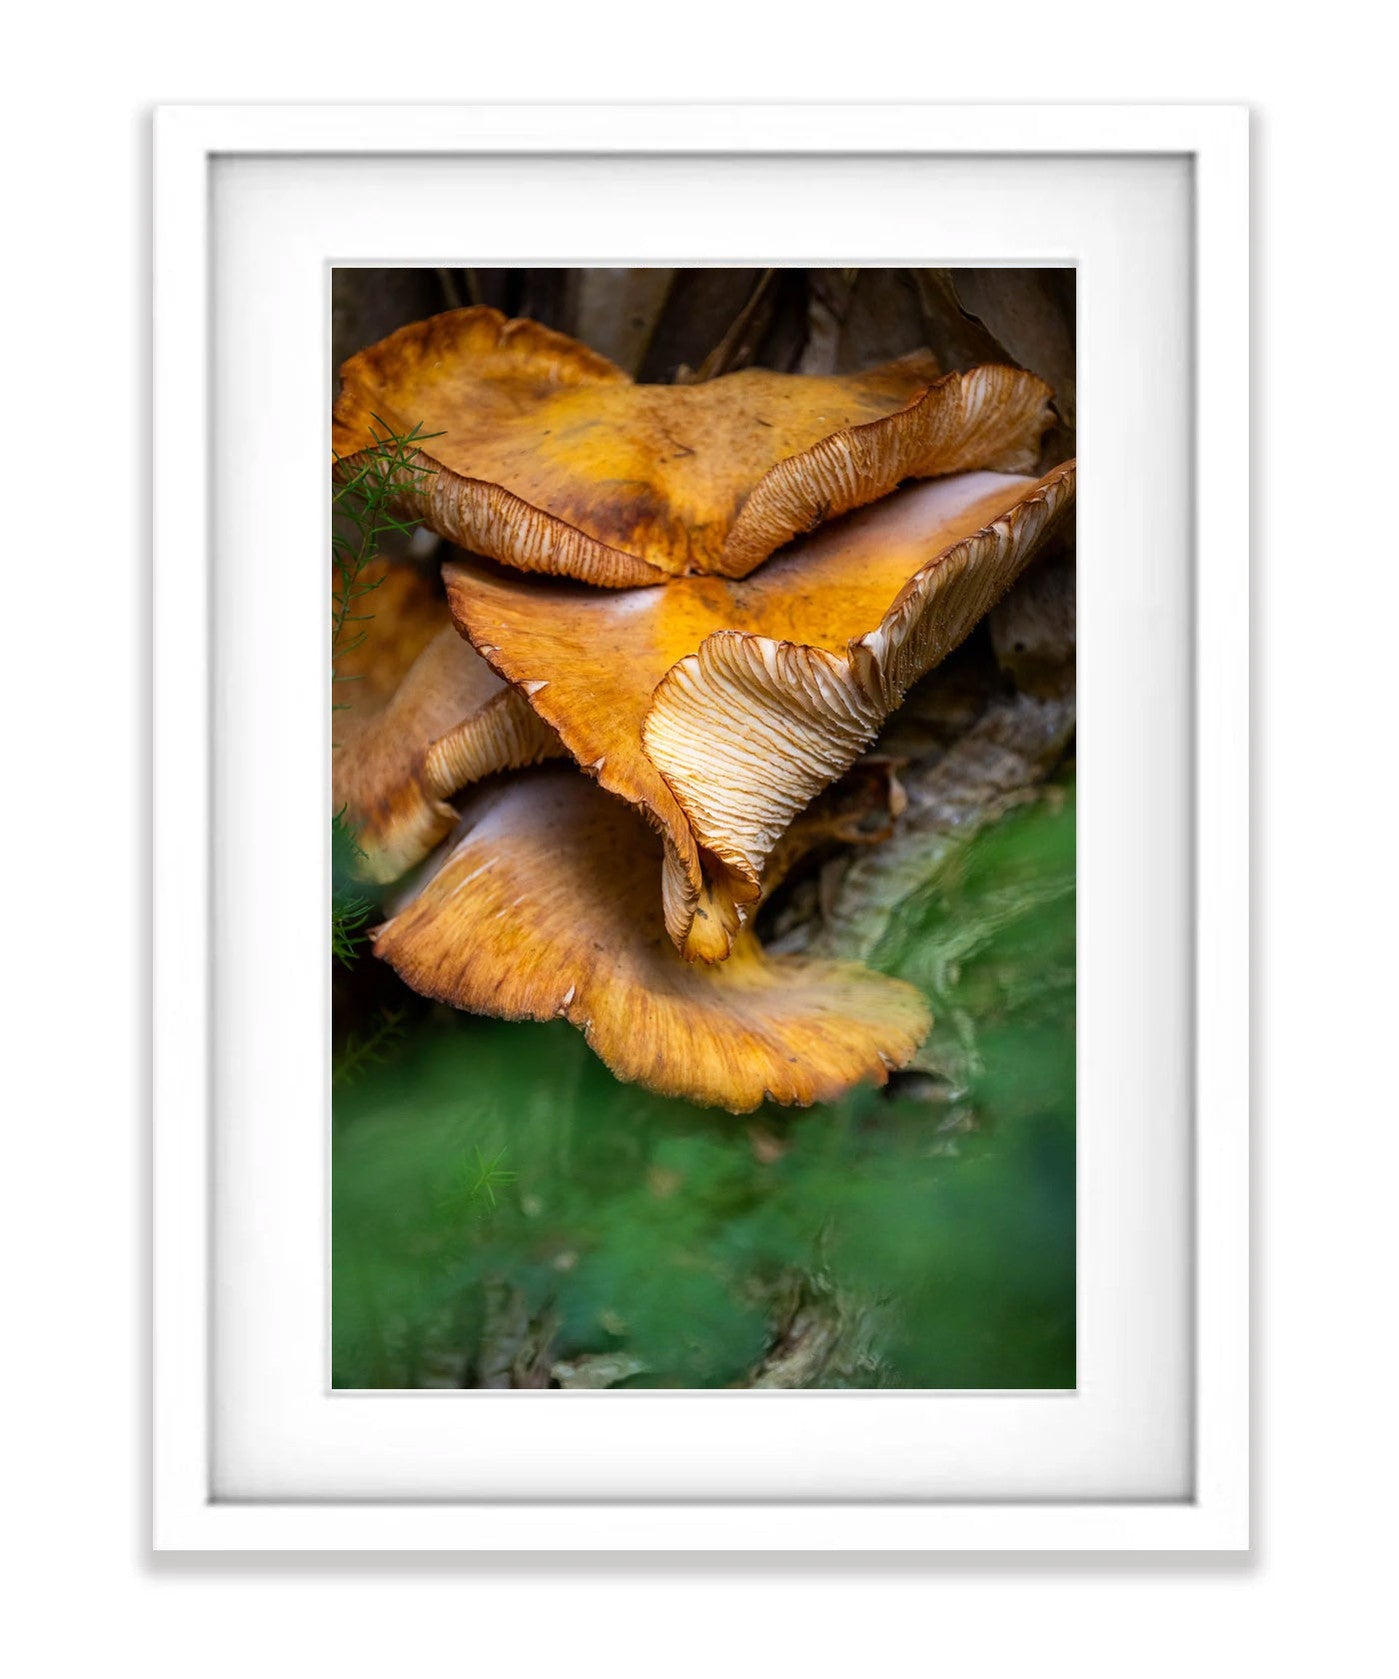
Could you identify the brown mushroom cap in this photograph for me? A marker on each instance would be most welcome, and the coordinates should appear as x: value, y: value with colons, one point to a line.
x: 721, y: 708
x: 422, y: 716
x: 389, y: 624
x: 543, y: 904
x: 550, y: 459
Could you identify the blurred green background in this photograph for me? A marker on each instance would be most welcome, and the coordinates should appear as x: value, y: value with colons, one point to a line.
x: 506, y: 1213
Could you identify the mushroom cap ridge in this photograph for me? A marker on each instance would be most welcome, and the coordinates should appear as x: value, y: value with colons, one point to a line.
x: 543, y: 905
x: 721, y: 707
x: 550, y: 459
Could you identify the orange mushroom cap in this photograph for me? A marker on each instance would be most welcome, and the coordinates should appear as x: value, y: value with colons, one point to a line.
x: 543, y: 904
x: 721, y: 707
x: 550, y: 459
x: 419, y: 715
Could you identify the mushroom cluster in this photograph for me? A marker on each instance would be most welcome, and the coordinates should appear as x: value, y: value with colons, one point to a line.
x: 678, y: 614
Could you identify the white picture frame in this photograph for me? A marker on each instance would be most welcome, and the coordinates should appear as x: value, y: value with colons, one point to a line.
x: 206, y: 1417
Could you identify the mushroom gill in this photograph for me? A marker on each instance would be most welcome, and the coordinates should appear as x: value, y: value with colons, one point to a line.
x: 543, y: 905
x: 721, y: 707
x: 550, y: 459
x: 419, y: 715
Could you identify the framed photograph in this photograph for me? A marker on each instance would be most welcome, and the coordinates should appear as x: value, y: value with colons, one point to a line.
x: 708, y: 1008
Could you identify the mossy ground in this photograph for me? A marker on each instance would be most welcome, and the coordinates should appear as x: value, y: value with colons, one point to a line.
x: 504, y: 1210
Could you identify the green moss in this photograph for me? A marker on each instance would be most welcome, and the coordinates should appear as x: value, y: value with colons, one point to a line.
x: 937, y: 1235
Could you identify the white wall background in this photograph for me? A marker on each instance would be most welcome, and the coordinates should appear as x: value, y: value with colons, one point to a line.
x: 82, y: 1590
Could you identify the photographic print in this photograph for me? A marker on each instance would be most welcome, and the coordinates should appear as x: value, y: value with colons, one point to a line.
x: 702, y: 783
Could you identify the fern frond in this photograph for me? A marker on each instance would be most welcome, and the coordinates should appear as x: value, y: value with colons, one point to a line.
x: 362, y: 1050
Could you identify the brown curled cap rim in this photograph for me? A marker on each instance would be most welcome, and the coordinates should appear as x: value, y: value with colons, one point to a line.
x: 543, y: 906
x: 721, y: 707
x: 544, y: 456
x: 419, y: 715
